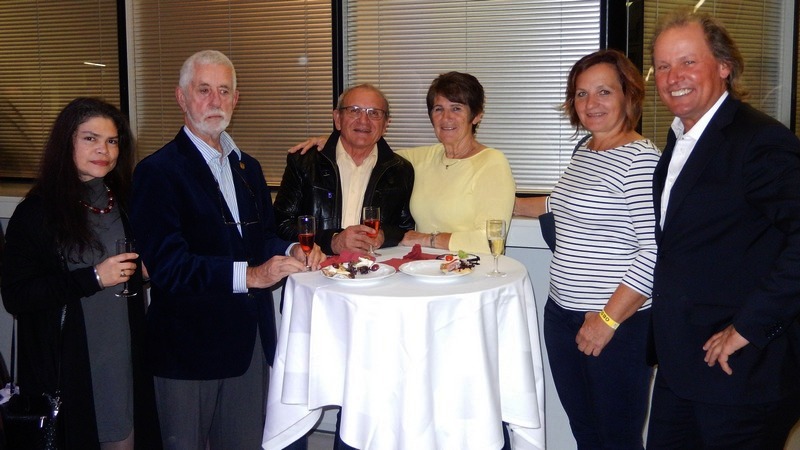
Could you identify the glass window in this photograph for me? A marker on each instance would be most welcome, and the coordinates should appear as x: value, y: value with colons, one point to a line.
x: 520, y: 50
x: 282, y: 54
x: 51, y: 53
x: 759, y: 29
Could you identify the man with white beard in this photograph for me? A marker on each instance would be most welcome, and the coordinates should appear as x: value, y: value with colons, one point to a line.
x: 205, y: 229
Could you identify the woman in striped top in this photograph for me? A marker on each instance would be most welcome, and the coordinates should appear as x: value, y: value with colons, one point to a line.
x: 597, y: 315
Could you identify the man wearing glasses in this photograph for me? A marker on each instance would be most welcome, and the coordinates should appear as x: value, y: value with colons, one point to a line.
x: 356, y: 168
x: 205, y: 229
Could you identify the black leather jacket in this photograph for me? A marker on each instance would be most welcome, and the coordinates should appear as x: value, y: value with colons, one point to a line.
x: 311, y: 185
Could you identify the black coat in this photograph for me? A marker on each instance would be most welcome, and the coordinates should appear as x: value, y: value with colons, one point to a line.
x: 311, y: 185
x: 729, y: 254
x: 36, y: 284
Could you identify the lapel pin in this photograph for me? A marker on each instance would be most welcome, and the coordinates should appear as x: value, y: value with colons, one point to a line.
x: 241, y: 165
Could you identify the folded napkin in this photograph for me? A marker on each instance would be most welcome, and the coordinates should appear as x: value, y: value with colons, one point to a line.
x: 344, y: 257
x: 414, y: 255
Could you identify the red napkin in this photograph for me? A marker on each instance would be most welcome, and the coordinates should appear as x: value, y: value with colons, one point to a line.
x: 413, y: 255
x: 344, y: 257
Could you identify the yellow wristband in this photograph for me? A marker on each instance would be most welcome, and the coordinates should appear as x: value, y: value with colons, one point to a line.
x: 608, y: 320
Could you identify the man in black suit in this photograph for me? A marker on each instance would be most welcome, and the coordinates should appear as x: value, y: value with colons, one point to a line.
x: 204, y: 225
x: 726, y: 294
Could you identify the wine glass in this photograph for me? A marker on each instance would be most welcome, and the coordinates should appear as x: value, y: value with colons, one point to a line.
x: 496, y: 234
x: 125, y: 246
x: 371, y: 217
x: 306, y: 228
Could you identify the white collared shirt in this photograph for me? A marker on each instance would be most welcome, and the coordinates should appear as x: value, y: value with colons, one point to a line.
x: 221, y: 169
x: 684, y: 144
x: 354, y: 180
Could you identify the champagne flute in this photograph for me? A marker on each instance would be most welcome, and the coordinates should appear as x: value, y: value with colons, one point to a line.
x: 125, y: 246
x: 371, y: 217
x: 306, y: 228
x: 496, y: 234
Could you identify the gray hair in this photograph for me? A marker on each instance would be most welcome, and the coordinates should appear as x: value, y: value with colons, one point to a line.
x: 368, y: 86
x: 203, y: 57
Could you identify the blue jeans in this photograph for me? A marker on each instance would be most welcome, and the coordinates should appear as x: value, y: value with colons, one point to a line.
x: 605, y: 397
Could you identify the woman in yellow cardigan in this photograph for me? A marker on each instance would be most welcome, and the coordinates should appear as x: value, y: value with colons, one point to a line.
x: 459, y: 182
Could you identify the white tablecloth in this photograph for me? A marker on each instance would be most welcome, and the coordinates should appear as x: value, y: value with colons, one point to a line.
x: 414, y: 364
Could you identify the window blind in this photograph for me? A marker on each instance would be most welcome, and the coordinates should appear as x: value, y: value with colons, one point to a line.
x: 282, y: 53
x: 520, y: 50
x: 756, y: 27
x: 51, y: 52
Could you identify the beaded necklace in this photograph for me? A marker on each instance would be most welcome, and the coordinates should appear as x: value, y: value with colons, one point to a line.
x: 105, y: 210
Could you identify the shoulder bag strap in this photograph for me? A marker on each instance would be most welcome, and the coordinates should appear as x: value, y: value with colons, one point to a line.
x: 581, y: 142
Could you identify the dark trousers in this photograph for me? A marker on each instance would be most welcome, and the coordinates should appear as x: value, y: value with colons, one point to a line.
x: 605, y: 397
x: 677, y: 423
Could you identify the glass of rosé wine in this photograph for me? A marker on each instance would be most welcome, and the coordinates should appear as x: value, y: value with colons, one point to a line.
x: 306, y: 228
x: 371, y: 217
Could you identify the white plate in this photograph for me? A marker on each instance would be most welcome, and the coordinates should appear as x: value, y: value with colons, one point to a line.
x: 429, y: 270
x: 383, y: 271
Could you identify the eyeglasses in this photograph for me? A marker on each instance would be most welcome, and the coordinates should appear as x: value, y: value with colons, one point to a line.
x: 355, y: 112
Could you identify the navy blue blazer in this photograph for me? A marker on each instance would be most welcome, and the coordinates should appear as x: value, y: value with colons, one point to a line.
x: 729, y: 253
x: 197, y: 327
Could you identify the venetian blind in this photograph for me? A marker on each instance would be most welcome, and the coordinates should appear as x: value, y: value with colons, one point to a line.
x: 757, y: 29
x: 282, y: 53
x: 520, y: 50
x: 51, y: 52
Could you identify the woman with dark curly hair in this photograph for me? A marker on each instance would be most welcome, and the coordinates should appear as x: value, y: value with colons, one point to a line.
x: 61, y: 273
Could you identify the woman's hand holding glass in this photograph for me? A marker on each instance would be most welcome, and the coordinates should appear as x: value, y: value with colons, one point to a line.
x: 116, y: 269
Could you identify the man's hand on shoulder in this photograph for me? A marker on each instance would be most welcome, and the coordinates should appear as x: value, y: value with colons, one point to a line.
x: 308, y: 144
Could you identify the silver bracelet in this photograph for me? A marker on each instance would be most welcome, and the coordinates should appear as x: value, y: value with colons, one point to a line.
x: 97, y: 276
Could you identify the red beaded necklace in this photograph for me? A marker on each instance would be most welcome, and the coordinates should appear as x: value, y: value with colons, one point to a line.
x: 105, y: 210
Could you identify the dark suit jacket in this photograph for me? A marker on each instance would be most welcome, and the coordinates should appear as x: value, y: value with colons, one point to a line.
x: 311, y: 185
x: 729, y: 253
x: 197, y: 327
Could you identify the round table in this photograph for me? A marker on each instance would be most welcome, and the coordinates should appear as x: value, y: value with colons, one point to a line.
x: 415, y: 363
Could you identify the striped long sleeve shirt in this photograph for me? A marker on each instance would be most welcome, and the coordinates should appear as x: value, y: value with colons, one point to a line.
x: 605, y: 225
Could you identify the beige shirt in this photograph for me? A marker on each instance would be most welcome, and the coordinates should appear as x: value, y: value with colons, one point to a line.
x: 354, y: 182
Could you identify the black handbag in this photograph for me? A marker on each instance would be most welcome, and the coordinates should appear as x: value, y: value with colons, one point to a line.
x: 31, y: 422
x: 547, y: 223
